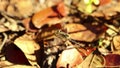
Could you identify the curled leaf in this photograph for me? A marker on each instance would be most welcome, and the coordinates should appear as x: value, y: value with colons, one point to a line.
x: 69, y: 58
x: 28, y: 46
x: 28, y: 25
x: 49, y: 16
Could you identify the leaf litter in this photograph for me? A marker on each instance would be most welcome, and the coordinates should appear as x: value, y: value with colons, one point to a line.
x: 59, y: 34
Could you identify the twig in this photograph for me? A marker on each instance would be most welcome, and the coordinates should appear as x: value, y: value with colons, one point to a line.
x: 14, y: 26
x: 107, y: 66
x: 112, y: 28
x: 4, y: 40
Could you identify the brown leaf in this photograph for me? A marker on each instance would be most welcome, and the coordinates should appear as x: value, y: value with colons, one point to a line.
x: 116, y: 42
x: 3, y: 5
x: 69, y: 58
x: 107, y: 8
x: 74, y: 27
x: 28, y: 46
x: 19, y: 9
x: 80, y: 32
x: 3, y: 29
x: 7, y: 64
x: 104, y: 2
x: 86, y: 62
x: 14, y: 55
x: 62, y: 9
x: 43, y: 17
x: 28, y: 25
x: 48, y: 33
x: 97, y: 61
x: 87, y: 36
x: 20, y: 66
x: 112, y: 60
x: 92, y: 61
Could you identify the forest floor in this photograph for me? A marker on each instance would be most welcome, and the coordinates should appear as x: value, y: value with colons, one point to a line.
x: 59, y: 33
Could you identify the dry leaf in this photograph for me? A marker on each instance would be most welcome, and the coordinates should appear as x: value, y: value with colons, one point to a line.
x: 116, y: 42
x: 25, y: 7
x: 80, y: 32
x: 19, y: 9
x: 43, y: 17
x: 108, y: 8
x: 7, y: 64
x: 20, y: 66
x: 87, y: 36
x: 75, y: 27
x: 62, y: 9
x: 3, y: 29
x: 87, y: 51
x: 69, y: 58
x: 97, y: 61
x: 112, y: 60
x: 28, y: 46
x: 11, y: 23
x: 104, y: 2
x: 3, y: 5
x: 28, y: 25
x: 48, y: 33
x: 86, y: 62
x: 92, y: 61
x: 14, y: 55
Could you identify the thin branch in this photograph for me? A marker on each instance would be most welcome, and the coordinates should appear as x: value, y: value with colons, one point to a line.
x: 4, y: 40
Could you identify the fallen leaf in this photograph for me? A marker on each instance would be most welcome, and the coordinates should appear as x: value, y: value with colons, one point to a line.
x: 62, y: 9
x: 3, y: 29
x: 107, y: 9
x: 48, y: 33
x: 86, y: 62
x: 87, y: 36
x: 71, y: 28
x: 92, y: 61
x: 104, y: 2
x: 97, y: 61
x: 7, y: 64
x: 87, y: 51
x: 3, y: 5
x: 28, y: 25
x: 69, y: 58
x: 116, y: 42
x: 20, y: 66
x: 21, y: 9
x: 112, y: 60
x: 14, y: 55
x: 43, y: 17
x: 80, y: 32
x: 28, y: 46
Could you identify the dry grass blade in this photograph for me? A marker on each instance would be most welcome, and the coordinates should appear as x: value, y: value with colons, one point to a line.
x: 4, y: 40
